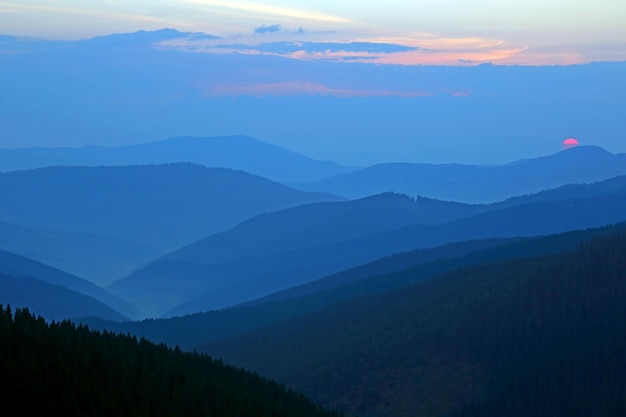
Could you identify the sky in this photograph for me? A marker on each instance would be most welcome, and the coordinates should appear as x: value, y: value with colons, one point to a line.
x: 358, y: 82
x: 448, y: 32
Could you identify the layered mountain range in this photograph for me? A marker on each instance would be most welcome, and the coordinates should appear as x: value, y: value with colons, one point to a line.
x: 181, y: 238
x: 392, y: 303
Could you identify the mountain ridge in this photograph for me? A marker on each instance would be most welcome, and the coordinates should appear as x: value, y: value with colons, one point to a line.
x: 477, y: 184
x: 20, y: 266
x: 237, y: 152
x: 228, y: 266
x: 516, y: 338
x: 52, y: 301
x: 97, y: 258
x: 163, y: 205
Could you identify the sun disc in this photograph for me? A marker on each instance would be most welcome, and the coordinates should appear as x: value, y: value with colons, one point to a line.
x: 570, y: 143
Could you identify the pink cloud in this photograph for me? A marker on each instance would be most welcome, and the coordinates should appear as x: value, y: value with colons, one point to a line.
x: 300, y: 88
x: 428, y: 51
x: 466, y: 93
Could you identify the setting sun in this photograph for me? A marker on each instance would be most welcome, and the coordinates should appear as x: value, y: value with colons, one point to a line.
x: 570, y: 143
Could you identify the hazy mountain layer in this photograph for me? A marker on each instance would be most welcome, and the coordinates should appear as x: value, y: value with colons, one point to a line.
x: 54, y: 302
x: 477, y: 184
x: 271, y: 251
x: 193, y: 330
x: 255, y: 264
x: 380, y: 276
x: 164, y: 206
x: 97, y: 258
x: 19, y: 266
x: 235, y: 152
x: 313, y: 225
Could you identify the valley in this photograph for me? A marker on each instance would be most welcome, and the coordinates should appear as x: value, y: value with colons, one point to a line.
x: 301, y: 279
x: 237, y: 209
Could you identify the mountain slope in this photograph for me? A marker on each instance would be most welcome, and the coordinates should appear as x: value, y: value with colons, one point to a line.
x: 384, y: 275
x: 197, y: 285
x: 477, y: 184
x: 270, y: 274
x: 52, y: 301
x: 387, y: 274
x: 62, y: 369
x: 235, y: 152
x: 190, y: 331
x: 251, y: 250
x: 539, y: 337
x: 20, y: 266
x: 163, y: 205
x: 318, y: 224
x: 517, y: 221
x: 99, y: 259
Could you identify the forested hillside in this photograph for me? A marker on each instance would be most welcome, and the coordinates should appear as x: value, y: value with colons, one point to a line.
x: 535, y: 337
x: 61, y: 369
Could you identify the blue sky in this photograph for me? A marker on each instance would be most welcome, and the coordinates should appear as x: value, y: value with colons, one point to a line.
x: 359, y: 82
x: 449, y: 32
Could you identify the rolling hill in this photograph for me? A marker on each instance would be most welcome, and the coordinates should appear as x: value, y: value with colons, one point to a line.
x: 54, y: 302
x: 377, y: 277
x: 540, y: 336
x: 164, y: 206
x: 19, y: 266
x: 233, y: 267
x: 317, y: 224
x: 97, y: 258
x: 241, y: 153
x: 477, y: 184
x: 254, y: 249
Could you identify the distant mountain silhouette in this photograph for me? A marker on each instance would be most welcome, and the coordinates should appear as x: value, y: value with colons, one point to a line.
x: 54, y: 302
x: 19, y: 266
x: 477, y: 184
x: 247, y: 251
x: 164, y: 206
x: 258, y: 257
x: 97, y: 258
x: 236, y: 152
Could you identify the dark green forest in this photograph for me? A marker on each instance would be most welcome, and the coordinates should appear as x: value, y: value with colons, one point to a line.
x: 542, y: 336
x: 59, y: 368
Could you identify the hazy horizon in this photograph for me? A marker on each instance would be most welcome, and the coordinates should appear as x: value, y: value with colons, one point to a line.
x: 142, y: 87
x: 398, y: 81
